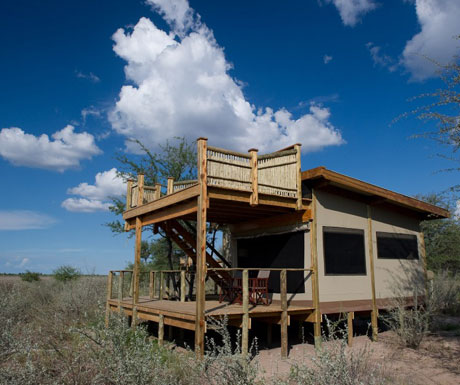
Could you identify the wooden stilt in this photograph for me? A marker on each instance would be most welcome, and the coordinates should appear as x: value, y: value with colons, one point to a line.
x: 109, y: 296
x: 161, y: 329
x: 284, y: 315
x: 245, y: 331
x: 315, y: 274
x: 137, y: 251
x: 182, y: 286
x: 370, y: 241
x: 423, y: 256
x: 201, y: 248
x: 350, y: 318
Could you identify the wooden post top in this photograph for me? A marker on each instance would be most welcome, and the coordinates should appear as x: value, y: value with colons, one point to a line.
x: 253, y: 150
x: 202, y: 138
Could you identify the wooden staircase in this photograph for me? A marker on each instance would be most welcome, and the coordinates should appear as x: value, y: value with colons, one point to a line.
x: 186, y: 240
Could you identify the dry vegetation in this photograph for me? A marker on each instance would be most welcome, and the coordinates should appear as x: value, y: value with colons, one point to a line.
x: 53, y: 333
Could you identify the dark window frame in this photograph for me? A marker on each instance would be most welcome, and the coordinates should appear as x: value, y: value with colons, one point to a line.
x: 395, y: 236
x: 345, y: 230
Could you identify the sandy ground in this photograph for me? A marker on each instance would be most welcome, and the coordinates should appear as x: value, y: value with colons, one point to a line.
x: 437, y: 361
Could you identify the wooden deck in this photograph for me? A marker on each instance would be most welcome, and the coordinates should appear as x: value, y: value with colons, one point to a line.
x: 183, y: 314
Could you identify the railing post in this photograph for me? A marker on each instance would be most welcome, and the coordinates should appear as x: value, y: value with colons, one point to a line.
x: 200, y: 322
x: 157, y: 191
x: 350, y: 317
x: 151, y: 285
x: 137, y: 252
x: 170, y: 188
x: 182, y: 285
x: 284, y: 315
x: 109, y: 296
x: 129, y: 193
x: 162, y: 285
x: 245, y: 332
x: 120, y: 289
x: 298, y: 176
x: 254, y: 199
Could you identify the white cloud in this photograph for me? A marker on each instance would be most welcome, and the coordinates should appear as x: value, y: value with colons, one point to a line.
x: 351, y: 11
x: 24, y: 220
x: 327, y: 59
x: 65, y: 150
x: 91, y: 77
x: 457, y: 211
x: 439, y: 22
x: 90, y: 111
x: 381, y: 59
x: 181, y: 87
x: 94, y: 197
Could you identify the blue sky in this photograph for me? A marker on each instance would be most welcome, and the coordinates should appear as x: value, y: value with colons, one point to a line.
x: 79, y: 79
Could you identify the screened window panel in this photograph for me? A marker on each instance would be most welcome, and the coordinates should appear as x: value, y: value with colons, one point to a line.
x: 344, y: 252
x: 397, y: 246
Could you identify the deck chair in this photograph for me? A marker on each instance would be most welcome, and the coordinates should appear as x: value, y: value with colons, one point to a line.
x: 259, y: 288
x: 232, y: 289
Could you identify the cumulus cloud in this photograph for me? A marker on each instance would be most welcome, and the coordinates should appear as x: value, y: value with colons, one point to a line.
x: 439, y: 22
x: 24, y: 220
x: 180, y: 86
x: 327, y: 59
x: 65, y: 149
x: 381, y: 59
x: 351, y: 11
x: 94, y: 197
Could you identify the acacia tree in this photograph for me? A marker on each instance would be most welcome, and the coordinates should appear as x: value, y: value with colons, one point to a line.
x: 444, y: 110
x: 177, y: 159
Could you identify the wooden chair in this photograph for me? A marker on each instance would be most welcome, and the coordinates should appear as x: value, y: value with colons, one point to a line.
x: 232, y: 289
x: 259, y: 288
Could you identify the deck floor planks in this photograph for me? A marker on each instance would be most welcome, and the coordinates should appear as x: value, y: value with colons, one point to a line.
x: 214, y: 308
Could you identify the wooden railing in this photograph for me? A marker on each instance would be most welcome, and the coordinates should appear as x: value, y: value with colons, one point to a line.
x: 278, y: 174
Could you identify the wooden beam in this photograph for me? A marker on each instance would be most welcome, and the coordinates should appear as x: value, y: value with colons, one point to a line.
x: 284, y: 315
x: 298, y: 176
x: 254, y: 199
x: 109, y: 296
x: 157, y: 191
x: 245, y: 331
x: 314, y: 266
x: 201, y: 247
x: 151, y: 285
x: 164, y: 201
x: 370, y: 250
x: 129, y: 188
x: 182, y: 285
x: 162, y: 286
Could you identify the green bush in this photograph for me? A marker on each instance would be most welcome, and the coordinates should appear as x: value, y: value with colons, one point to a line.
x: 66, y: 273
x: 30, y: 276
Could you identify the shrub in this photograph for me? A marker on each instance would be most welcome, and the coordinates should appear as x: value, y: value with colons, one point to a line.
x: 30, y: 276
x: 66, y: 273
x: 336, y: 364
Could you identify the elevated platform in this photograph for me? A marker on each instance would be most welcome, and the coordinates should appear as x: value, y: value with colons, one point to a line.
x: 183, y: 314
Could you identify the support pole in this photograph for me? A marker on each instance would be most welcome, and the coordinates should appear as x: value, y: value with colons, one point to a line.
x: 201, y: 248
x: 254, y: 199
x: 182, y: 285
x: 157, y: 191
x: 284, y: 315
x: 162, y: 285
x: 161, y: 329
x: 129, y: 189
x: 137, y: 252
x: 374, y: 313
x: 425, y: 267
x: 315, y: 275
x: 109, y: 296
x: 350, y: 318
x: 121, y: 278
x: 245, y: 331
x: 299, y: 204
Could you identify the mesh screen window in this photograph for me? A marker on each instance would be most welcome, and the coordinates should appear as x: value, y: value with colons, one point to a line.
x: 397, y: 246
x: 344, y: 252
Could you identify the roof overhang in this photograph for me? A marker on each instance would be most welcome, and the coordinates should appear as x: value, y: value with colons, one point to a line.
x: 321, y: 177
